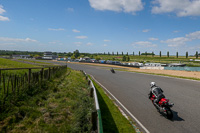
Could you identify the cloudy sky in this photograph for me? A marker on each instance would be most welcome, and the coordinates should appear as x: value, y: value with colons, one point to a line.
x: 100, y: 25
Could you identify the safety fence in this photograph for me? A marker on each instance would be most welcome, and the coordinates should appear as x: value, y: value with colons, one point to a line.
x: 13, y: 84
x: 183, y: 68
x: 96, y: 115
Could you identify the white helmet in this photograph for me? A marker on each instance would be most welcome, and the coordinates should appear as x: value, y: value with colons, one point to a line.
x: 152, y: 84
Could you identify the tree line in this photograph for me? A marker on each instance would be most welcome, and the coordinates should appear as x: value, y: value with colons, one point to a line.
x: 153, y: 54
x: 75, y: 54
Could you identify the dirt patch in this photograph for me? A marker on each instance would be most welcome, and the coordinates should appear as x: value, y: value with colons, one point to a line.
x: 188, y: 74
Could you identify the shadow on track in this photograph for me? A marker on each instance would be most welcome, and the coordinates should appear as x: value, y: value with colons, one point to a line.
x: 176, y: 117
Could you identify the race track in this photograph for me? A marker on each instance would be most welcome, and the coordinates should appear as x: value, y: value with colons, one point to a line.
x: 131, y: 89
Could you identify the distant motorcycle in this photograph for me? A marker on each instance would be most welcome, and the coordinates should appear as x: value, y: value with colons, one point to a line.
x: 163, y: 106
x: 112, y: 70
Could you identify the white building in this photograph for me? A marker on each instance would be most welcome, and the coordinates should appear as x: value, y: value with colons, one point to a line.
x: 48, y: 55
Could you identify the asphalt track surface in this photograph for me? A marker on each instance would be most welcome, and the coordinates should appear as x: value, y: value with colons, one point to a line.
x: 132, y: 89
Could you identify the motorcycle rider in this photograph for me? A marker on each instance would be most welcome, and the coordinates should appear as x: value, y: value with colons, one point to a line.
x: 112, y: 70
x: 157, y: 92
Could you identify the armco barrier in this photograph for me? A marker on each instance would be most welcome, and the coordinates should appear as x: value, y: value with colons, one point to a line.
x: 96, y: 116
x: 183, y: 68
x: 153, y: 68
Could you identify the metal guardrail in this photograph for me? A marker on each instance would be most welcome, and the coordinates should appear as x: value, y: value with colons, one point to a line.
x: 183, y: 68
x: 96, y: 116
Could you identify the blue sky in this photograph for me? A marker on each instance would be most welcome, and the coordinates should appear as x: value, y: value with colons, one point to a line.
x: 101, y: 25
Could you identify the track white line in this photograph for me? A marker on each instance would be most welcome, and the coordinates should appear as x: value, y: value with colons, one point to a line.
x: 123, y: 107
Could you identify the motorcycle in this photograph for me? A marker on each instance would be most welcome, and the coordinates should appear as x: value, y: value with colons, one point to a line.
x: 163, y: 106
x: 112, y: 70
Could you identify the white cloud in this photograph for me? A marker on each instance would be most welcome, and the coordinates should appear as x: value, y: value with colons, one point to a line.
x: 59, y: 29
x: 2, y: 18
x: 153, y: 39
x: 105, y: 45
x: 89, y: 44
x: 78, y: 43
x: 194, y: 35
x: 106, y: 40
x: 54, y: 42
x: 176, y: 31
x: 74, y: 30
x: 6, y: 39
x: 180, y: 41
x: 175, y: 42
x: 1, y: 9
x: 179, y: 7
x: 70, y: 9
x: 143, y: 44
x: 128, y: 6
x: 6, y: 44
x: 146, y: 30
x: 81, y: 37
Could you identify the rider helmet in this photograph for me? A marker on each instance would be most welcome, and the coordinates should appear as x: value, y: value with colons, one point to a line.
x: 152, y: 84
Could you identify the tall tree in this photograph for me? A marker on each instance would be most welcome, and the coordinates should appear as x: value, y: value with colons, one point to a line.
x: 160, y: 54
x: 124, y: 58
x: 146, y: 53
x: 117, y: 53
x: 76, y: 53
x: 69, y: 54
x: 127, y: 58
x: 168, y: 54
x: 73, y: 57
x: 98, y: 58
x: 196, y: 54
x: 133, y: 53
x: 139, y: 53
x: 176, y: 54
x: 186, y: 55
x: 127, y: 53
x: 122, y: 53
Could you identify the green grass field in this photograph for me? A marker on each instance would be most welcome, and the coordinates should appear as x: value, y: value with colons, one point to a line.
x: 35, y: 62
x: 62, y: 105
x: 7, y: 63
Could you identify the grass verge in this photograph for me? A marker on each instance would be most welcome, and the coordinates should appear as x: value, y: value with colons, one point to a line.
x: 62, y: 105
x: 112, y: 119
x: 35, y: 62
x: 7, y: 63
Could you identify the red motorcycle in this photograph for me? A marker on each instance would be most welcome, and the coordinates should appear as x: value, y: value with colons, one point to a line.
x: 163, y: 106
